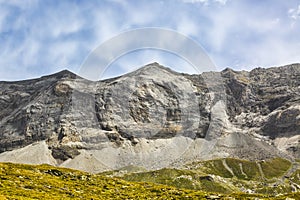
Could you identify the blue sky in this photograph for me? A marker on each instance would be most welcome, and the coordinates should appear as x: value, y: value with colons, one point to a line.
x: 43, y: 37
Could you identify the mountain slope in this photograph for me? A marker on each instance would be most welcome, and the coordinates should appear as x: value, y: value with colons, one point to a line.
x: 48, y: 182
x: 19, y: 181
x: 224, y: 176
x: 153, y: 118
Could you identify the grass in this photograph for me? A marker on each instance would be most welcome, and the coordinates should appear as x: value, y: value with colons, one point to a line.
x: 19, y: 181
x: 250, y: 169
x: 204, y: 175
x: 213, y: 176
x: 295, y: 177
x: 185, y: 179
x: 272, y: 168
x: 275, y: 167
x: 215, y: 167
x: 205, y: 180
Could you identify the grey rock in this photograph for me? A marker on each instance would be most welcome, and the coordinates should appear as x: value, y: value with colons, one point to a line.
x: 153, y: 117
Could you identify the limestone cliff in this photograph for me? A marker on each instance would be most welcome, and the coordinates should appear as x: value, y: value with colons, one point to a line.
x: 153, y: 117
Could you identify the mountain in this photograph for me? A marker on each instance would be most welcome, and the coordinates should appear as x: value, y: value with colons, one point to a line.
x: 151, y: 118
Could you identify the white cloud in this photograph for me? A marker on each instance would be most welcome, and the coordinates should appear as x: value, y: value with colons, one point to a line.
x: 42, y: 40
x: 206, y: 2
x: 24, y: 55
x: 187, y: 27
x: 104, y: 26
x: 139, y: 15
x: 223, y: 22
x: 60, y: 34
x: 65, y: 27
x: 272, y: 52
x: 222, y: 1
x: 244, y: 37
x: 19, y: 4
x: 3, y: 14
x: 294, y: 13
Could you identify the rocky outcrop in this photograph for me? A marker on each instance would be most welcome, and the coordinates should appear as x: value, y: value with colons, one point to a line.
x: 153, y: 117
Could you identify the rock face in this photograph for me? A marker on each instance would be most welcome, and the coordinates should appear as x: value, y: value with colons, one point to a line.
x: 152, y: 117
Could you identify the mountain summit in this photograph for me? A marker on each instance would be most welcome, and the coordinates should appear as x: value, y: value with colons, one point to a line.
x: 152, y: 117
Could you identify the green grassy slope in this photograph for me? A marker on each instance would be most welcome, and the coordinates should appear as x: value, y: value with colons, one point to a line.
x: 186, y: 179
x: 19, y: 181
x: 265, y: 177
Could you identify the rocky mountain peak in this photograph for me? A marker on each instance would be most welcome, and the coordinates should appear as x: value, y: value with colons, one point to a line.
x: 62, y: 74
x: 152, y: 69
x: 154, y: 65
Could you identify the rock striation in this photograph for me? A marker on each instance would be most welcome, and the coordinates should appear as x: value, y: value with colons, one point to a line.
x: 152, y: 117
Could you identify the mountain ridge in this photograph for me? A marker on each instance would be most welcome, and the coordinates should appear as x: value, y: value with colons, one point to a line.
x: 67, y: 72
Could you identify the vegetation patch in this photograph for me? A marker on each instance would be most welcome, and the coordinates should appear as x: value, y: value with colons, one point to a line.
x: 215, y: 167
x: 20, y: 181
x: 243, y: 169
x: 276, y: 167
x: 184, y: 179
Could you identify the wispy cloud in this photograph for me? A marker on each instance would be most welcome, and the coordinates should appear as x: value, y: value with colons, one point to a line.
x: 206, y: 2
x: 187, y: 27
x: 41, y: 37
x: 294, y: 13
